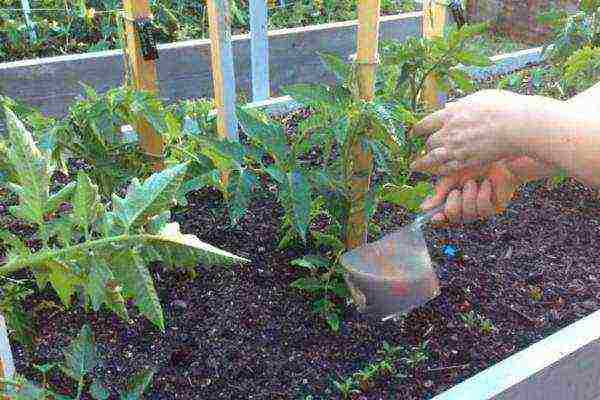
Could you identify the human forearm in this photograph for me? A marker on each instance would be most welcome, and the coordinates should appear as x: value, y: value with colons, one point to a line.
x: 587, y: 101
x: 526, y: 169
x: 565, y: 135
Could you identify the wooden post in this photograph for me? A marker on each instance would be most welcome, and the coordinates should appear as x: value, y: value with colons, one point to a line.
x: 435, y: 18
x: 7, y: 367
x: 259, y: 43
x: 367, y: 59
x: 219, y: 20
x: 143, y: 76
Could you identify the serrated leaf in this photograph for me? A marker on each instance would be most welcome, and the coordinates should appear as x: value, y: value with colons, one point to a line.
x: 138, y: 386
x: 268, y: 134
x: 337, y: 66
x: 80, y: 356
x: 138, y: 285
x: 32, y: 171
x: 471, y: 58
x: 62, y: 196
x: 102, y: 288
x: 63, y: 281
x: 25, y: 390
x: 324, y: 239
x: 143, y: 201
x: 172, y: 238
x: 85, y: 202
x: 461, y: 79
x: 407, y: 196
x: 14, y: 243
x: 298, y: 200
x: 311, y: 285
x: 312, y: 262
x: 311, y: 95
x: 240, y: 195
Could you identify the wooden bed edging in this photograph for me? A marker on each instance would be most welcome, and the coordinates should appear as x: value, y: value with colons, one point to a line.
x: 51, y: 84
x: 563, y: 366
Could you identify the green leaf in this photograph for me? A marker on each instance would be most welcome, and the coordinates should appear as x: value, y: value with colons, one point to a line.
x: 311, y: 285
x: 266, y: 133
x: 171, y: 238
x: 311, y: 95
x: 138, y: 386
x: 337, y: 66
x: 131, y: 272
x: 62, y: 196
x: 471, y: 58
x: 461, y: 79
x: 85, y: 202
x: 98, y: 391
x: 80, y: 356
x: 324, y: 239
x: 143, y: 201
x: 103, y: 288
x: 311, y: 262
x: 63, y: 280
x: 32, y: 171
x: 298, y: 201
x: 407, y: 196
x: 25, y: 390
x: 240, y: 195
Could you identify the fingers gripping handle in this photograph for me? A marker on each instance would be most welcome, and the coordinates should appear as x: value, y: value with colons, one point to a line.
x: 426, y: 217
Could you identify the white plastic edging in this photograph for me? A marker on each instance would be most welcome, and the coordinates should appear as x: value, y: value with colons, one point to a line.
x: 563, y: 366
x: 5, y: 352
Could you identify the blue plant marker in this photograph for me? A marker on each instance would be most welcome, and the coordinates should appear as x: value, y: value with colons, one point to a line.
x: 450, y: 251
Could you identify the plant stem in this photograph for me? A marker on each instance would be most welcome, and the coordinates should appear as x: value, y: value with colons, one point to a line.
x: 79, y: 389
x: 45, y: 255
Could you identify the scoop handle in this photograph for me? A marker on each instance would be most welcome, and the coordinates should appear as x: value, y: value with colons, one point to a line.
x: 426, y: 216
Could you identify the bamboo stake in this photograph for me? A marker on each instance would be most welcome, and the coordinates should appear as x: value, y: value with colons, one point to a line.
x: 143, y: 76
x: 435, y: 18
x: 219, y: 23
x: 367, y: 60
x: 219, y: 19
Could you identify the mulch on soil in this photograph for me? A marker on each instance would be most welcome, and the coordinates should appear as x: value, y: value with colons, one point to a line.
x: 242, y: 333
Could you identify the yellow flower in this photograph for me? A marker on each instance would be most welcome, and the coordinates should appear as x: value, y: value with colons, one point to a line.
x: 90, y: 13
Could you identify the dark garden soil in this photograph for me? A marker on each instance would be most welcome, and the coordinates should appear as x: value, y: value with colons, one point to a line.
x: 243, y: 333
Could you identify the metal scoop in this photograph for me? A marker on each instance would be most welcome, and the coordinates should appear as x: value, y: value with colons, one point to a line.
x: 393, y: 275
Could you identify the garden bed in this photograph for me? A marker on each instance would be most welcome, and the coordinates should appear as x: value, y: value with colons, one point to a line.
x: 243, y: 332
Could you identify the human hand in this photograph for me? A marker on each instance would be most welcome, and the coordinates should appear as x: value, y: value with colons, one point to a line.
x: 476, y: 130
x: 481, y: 192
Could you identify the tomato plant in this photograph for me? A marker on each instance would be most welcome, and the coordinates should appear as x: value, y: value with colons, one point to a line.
x: 98, y: 251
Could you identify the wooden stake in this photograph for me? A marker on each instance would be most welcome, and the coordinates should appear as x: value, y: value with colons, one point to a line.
x: 143, y: 76
x: 435, y: 18
x: 367, y: 59
x: 219, y: 20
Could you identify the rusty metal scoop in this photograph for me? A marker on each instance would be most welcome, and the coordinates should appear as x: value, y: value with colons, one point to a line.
x: 393, y: 275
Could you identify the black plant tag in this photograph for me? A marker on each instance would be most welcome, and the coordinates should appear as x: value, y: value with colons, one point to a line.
x: 147, y: 35
x: 458, y: 13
